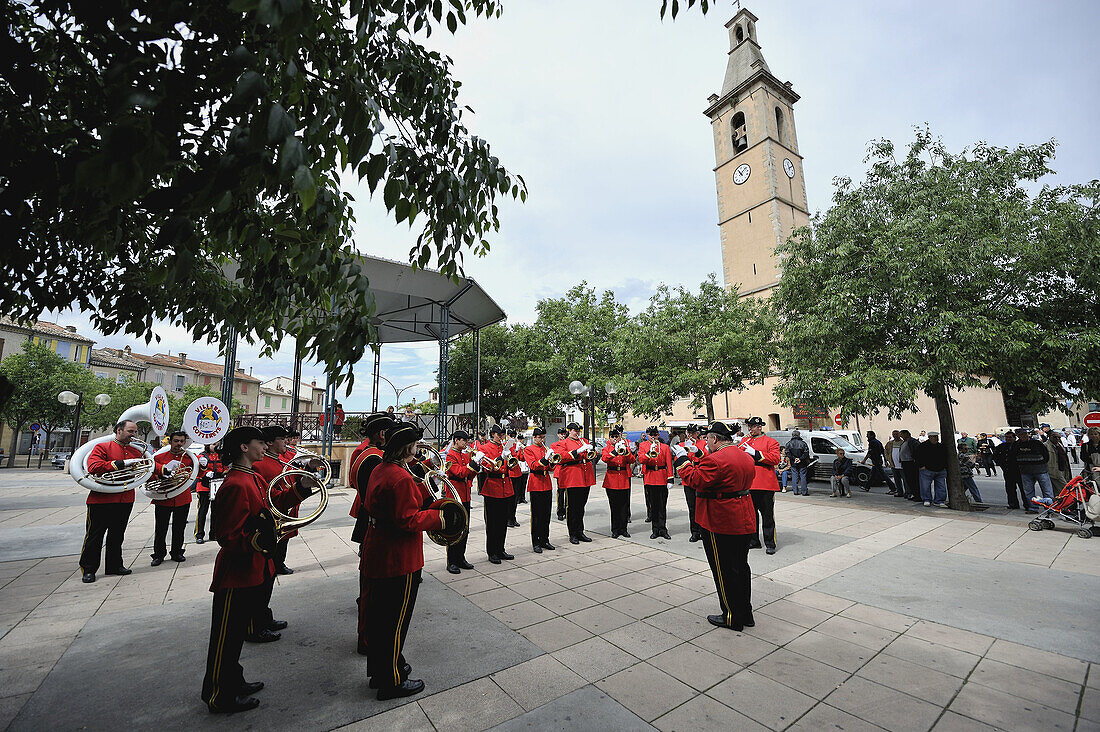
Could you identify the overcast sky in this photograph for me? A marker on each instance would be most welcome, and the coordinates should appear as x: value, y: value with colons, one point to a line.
x: 599, y: 105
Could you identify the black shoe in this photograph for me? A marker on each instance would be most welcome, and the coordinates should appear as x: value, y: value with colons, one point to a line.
x: 178, y: 558
x: 626, y: 534
x: 666, y: 536
x: 649, y: 519
x: 537, y: 549
x: 248, y: 688
x: 574, y: 540
x: 121, y: 571
x: 410, y: 687
x: 88, y: 577
x: 754, y: 544
x: 494, y: 559
x: 513, y: 524
x: 614, y: 534
x: 264, y: 636
x: 523, y: 501
x: 240, y: 704
x: 277, y: 625
x: 561, y: 517
x: 284, y: 570
x: 653, y: 535
x: 363, y: 652
x: 157, y: 561
x: 454, y: 569
x: 548, y: 546
x: 694, y: 537
x: 770, y: 550
x: 200, y: 540
x: 506, y: 555
x: 750, y: 623
x: 374, y: 684
x: 465, y: 565
x: 721, y: 623
x: 584, y: 537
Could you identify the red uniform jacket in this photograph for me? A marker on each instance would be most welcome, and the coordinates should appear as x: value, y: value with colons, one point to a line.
x: 590, y: 464
x: 556, y: 447
x: 539, y: 478
x: 459, y: 472
x: 728, y: 470
x: 516, y: 451
x: 358, y: 449
x: 360, y: 464
x: 766, y: 460
x: 269, y: 468
x: 574, y: 470
x: 617, y: 476
x: 238, y: 563
x: 101, y: 460
x: 208, y: 467
x: 701, y: 446
x: 163, y: 459
x: 394, y: 545
x: 655, y: 471
x: 494, y: 484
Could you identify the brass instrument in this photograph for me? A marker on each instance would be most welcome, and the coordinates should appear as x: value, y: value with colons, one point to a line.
x: 285, y: 523
x: 552, y: 457
x: 155, y: 412
x: 170, y: 486
x: 654, y: 450
x: 441, y: 488
x: 621, y: 448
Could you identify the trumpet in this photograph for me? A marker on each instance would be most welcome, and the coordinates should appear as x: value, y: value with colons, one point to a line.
x: 552, y: 457
x: 654, y: 450
x: 441, y: 488
x: 621, y: 448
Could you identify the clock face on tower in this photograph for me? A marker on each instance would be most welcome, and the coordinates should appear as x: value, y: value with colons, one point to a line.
x: 788, y: 167
x: 741, y: 174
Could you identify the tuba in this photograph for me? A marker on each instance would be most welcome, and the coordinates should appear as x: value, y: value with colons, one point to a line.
x: 318, y: 481
x: 155, y: 412
x: 442, y: 489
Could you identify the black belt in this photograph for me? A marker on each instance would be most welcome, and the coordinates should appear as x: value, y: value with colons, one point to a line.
x: 617, y: 470
x: 738, y: 494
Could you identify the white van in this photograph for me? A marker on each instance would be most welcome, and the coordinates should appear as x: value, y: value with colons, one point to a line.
x: 852, y: 436
x: 823, y: 444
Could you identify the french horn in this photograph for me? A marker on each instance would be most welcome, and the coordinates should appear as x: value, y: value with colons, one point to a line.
x: 434, y: 478
x: 318, y: 481
x: 155, y: 412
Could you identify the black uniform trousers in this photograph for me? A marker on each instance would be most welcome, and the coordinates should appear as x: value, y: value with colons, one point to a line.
x: 519, y: 493
x: 1014, y: 486
x: 561, y: 502
x: 648, y: 507
x: 205, y: 506
x: 877, y: 473
x: 109, y: 519
x: 764, y: 503
x: 618, y: 500
x: 280, y: 554
x: 456, y: 553
x: 689, y: 495
x: 728, y: 555
x: 388, y: 614
x: 178, y: 517
x: 262, y: 617
x: 234, y: 608
x: 657, y: 505
x: 912, y: 478
x: 496, y: 523
x: 575, y: 500
x: 540, y: 516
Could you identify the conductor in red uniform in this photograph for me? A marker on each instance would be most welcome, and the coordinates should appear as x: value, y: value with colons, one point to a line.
x: 393, y: 558
x: 765, y: 453
x: 241, y: 570
x: 109, y: 512
x: 656, y: 479
x: 174, y: 509
x: 721, y: 481
x: 460, y: 474
x: 496, y: 493
x: 539, y: 489
x: 616, y: 481
x: 575, y: 457
x: 696, y: 448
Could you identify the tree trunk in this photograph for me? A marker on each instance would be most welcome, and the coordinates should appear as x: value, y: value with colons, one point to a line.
x: 956, y: 494
x: 710, y: 408
x: 16, y: 431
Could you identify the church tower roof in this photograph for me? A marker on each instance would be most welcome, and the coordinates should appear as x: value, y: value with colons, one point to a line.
x: 745, y: 58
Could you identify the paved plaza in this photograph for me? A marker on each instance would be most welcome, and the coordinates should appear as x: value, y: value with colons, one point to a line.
x: 874, y: 614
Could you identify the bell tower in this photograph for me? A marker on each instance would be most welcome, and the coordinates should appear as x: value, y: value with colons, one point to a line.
x: 758, y: 171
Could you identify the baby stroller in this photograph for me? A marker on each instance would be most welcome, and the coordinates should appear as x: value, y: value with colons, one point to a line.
x: 1071, y: 504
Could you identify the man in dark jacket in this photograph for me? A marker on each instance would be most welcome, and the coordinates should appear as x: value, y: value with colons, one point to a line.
x: 876, y: 454
x: 1031, y: 457
x: 798, y: 452
x: 842, y: 471
x: 932, y: 461
x: 1004, y: 455
x: 908, y: 456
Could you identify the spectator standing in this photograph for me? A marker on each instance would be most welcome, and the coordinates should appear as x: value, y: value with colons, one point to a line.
x: 966, y: 444
x: 1057, y: 462
x: 932, y: 461
x: 922, y: 437
x: 908, y: 456
x: 798, y: 452
x: 1090, y: 452
x: 783, y: 470
x: 1069, y: 440
x: 876, y: 454
x: 842, y: 471
x: 1032, y: 457
x: 966, y: 472
x: 985, y: 454
x: 892, y: 456
x: 1005, y: 456
x: 338, y: 420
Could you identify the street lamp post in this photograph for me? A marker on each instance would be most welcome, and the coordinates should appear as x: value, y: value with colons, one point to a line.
x: 73, y: 399
x: 579, y: 389
x: 397, y: 391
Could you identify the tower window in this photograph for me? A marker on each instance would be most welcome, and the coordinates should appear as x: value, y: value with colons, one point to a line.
x: 740, y: 34
x: 739, y: 133
x: 780, y: 127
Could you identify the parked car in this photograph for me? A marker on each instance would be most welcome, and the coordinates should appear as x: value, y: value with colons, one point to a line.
x: 58, y: 459
x: 823, y: 444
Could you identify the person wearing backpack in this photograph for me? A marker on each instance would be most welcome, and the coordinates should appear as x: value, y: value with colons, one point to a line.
x: 798, y: 453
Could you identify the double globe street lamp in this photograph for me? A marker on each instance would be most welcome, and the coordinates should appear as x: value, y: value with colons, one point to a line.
x: 72, y: 399
x: 580, y: 389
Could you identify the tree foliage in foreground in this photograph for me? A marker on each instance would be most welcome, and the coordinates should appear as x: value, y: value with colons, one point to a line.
x: 184, y: 159
x: 942, y: 271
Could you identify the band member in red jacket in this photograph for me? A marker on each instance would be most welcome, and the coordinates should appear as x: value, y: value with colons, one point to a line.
x: 539, y: 488
x: 109, y: 512
x: 393, y: 558
x: 264, y: 628
x: 496, y: 493
x: 696, y: 447
x: 460, y: 474
x: 721, y: 481
x: 364, y: 459
x: 514, y: 449
x: 241, y: 570
x: 555, y: 447
x: 209, y: 469
x: 656, y: 480
x: 616, y: 481
x: 277, y: 458
x: 766, y: 455
x: 575, y: 456
x: 174, y: 509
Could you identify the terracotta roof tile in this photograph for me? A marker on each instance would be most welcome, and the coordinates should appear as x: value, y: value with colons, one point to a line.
x: 114, y: 359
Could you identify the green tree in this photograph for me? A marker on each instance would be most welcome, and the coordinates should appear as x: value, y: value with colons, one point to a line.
x: 504, y: 355
x: 39, y: 375
x: 697, y: 345
x: 933, y: 275
x: 198, y: 147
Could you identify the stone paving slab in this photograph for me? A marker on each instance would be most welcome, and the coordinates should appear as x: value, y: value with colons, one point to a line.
x: 585, y: 710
